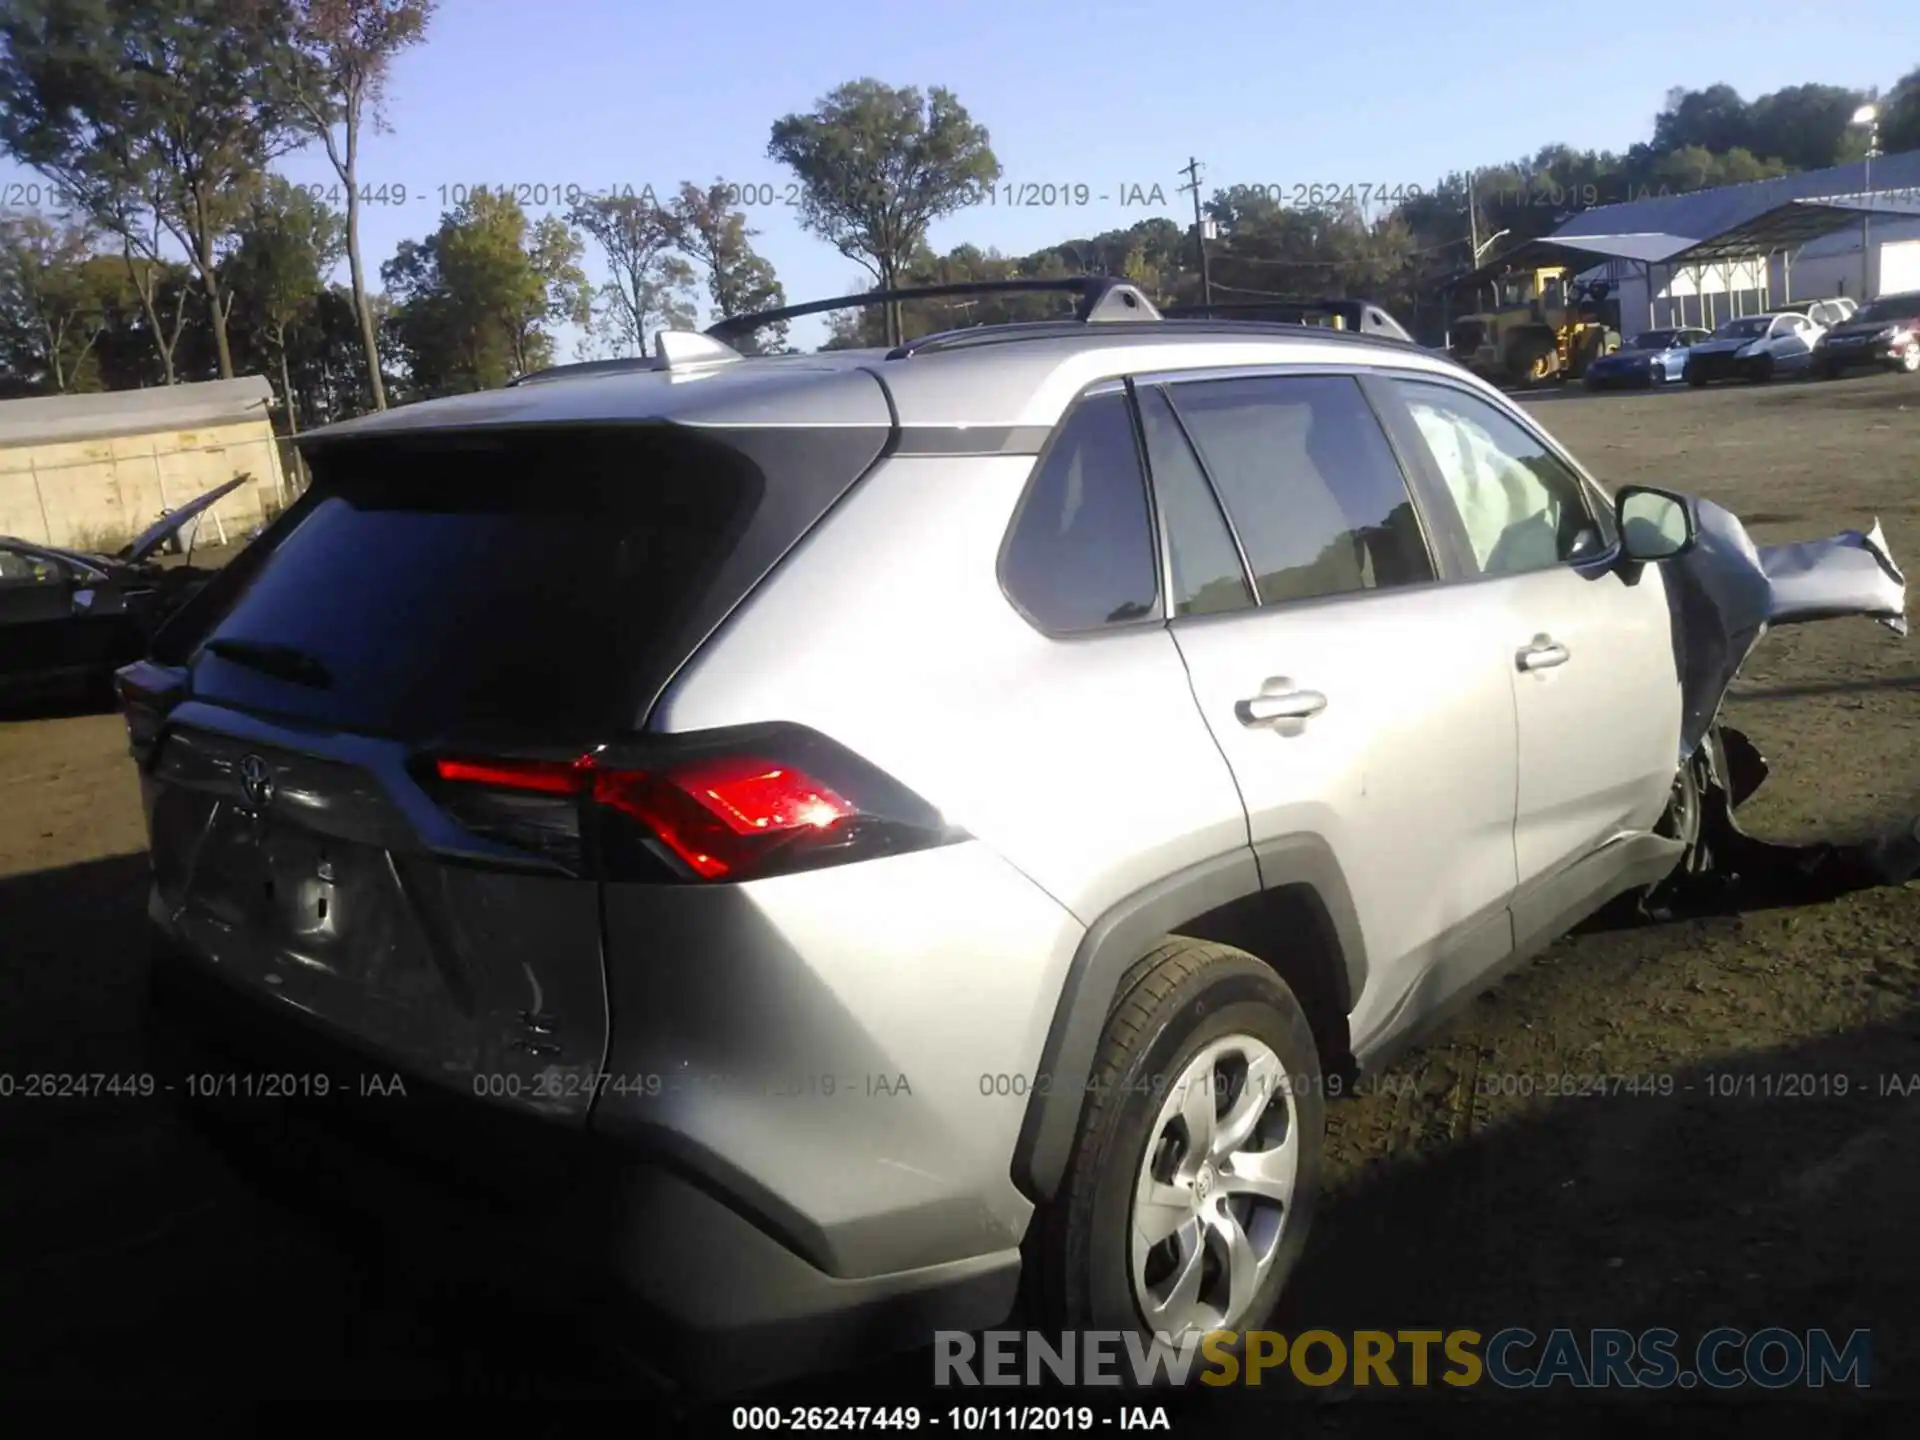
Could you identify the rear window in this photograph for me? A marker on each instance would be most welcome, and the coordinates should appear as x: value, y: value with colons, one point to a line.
x: 503, y: 586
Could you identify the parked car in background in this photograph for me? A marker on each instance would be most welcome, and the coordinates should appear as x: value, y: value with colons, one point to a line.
x: 1886, y: 333
x: 69, y: 619
x: 1827, y: 313
x: 1653, y: 357
x: 1755, y: 348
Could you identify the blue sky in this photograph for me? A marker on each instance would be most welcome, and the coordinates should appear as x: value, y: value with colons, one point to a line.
x: 1115, y: 97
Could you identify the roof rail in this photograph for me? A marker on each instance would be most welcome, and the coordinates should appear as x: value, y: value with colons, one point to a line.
x: 1102, y: 298
x: 1360, y: 316
x: 672, y: 350
x: 1246, y: 329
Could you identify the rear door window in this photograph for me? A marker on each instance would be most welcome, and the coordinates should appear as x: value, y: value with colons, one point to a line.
x: 1310, y: 483
x: 1080, y: 555
x: 502, y: 586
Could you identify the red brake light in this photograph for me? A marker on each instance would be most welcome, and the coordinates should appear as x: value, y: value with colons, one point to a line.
x: 725, y: 815
x: 545, y: 777
x: 719, y: 815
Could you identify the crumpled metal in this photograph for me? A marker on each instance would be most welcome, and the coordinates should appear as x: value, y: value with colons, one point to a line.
x: 1728, y: 592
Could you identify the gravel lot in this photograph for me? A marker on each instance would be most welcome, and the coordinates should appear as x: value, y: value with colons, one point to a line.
x: 133, y: 1264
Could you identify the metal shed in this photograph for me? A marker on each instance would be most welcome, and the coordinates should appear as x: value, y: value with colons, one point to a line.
x: 1726, y: 251
x: 87, y: 471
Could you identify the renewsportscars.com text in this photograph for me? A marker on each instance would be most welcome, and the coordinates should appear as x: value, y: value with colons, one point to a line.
x: 1514, y: 1358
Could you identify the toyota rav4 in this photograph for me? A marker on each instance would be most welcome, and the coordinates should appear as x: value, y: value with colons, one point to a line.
x: 847, y: 844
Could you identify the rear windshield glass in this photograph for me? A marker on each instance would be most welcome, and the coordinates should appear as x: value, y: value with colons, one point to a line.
x: 498, y: 588
x: 1893, y: 307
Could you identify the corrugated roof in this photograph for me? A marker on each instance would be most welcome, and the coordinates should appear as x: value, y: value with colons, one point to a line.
x: 57, y: 419
x: 1704, y: 214
x: 1793, y: 225
x: 1576, y: 254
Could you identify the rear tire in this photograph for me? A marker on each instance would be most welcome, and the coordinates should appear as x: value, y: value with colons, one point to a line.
x: 1186, y: 1009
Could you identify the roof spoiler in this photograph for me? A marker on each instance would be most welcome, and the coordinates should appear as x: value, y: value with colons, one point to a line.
x: 672, y: 350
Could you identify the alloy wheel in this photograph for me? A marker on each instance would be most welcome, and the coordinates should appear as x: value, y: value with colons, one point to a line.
x: 1215, y: 1189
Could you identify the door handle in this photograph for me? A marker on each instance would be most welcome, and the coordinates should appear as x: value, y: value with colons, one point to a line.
x: 1543, y: 654
x: 1264, y: 709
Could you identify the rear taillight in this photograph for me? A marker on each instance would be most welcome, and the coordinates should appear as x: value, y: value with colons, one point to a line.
x: 717, y: 807
x: 147, y: 693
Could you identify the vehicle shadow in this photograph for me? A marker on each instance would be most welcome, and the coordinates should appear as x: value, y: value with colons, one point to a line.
x: 1768, y: 1189
x: 97, y: 699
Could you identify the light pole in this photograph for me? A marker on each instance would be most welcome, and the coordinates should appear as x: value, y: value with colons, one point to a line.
x: 1869, y: 116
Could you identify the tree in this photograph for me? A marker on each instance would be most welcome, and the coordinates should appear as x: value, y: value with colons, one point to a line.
x: 649, y: 287
x: 156, y: 330
x: 1806, y: 127
x: 560, y: 294
x: 877, y: 166
x: 472, y: 301
x: 289, y: 243
x: 336, y: 72
x: 54, y: 301
x: 739, y: 280
x: 1900, y: 120
x: 1713, y: 119
x: 171, y: 101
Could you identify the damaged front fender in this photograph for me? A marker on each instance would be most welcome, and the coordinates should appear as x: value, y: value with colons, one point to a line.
x: 1727, y: 592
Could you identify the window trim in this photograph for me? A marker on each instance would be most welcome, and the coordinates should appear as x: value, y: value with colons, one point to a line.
x: 1168, y: 605
x: 1437, y: 556
x: 1157, y: 617
x: 1599, y: 502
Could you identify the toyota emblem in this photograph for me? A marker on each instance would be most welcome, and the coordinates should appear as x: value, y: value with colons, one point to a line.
x: 256, y: 780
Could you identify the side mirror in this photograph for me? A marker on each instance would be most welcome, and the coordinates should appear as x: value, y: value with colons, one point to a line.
x: 1654, y: 524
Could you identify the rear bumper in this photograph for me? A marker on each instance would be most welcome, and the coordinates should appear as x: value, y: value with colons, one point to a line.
x: 1636, y: 379
x: 1720, y: 367
x: 1857, y: 357
x: 691, y: 1273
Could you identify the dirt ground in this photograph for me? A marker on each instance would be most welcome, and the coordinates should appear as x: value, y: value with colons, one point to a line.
x: 1774, y: 1184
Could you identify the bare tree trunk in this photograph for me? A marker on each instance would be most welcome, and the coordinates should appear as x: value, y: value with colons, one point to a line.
x: 210, y: 285
x: 53, y: 358
x: 293, y: 410
x: 173, y: 337
x: 895, y: 330
x: 349, y: 169
x: 146, y: 286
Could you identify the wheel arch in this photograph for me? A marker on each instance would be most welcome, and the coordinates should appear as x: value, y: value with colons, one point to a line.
x: 1287, y: 904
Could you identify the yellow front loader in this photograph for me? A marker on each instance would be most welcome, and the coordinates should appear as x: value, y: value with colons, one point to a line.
x: 1543, y: 326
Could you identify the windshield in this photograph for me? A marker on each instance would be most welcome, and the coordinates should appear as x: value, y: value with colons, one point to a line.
x: 1744, y: 329
x: 1651, y: 340
x: 1893, y: 307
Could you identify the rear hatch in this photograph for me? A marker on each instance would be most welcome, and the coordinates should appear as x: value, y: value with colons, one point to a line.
x: 520, y: 594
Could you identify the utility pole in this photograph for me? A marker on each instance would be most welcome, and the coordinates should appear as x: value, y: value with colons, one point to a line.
x: 1473, y: 222
x: 1192, y: 172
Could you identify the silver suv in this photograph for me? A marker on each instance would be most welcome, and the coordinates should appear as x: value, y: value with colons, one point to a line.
x: 843, y: 843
